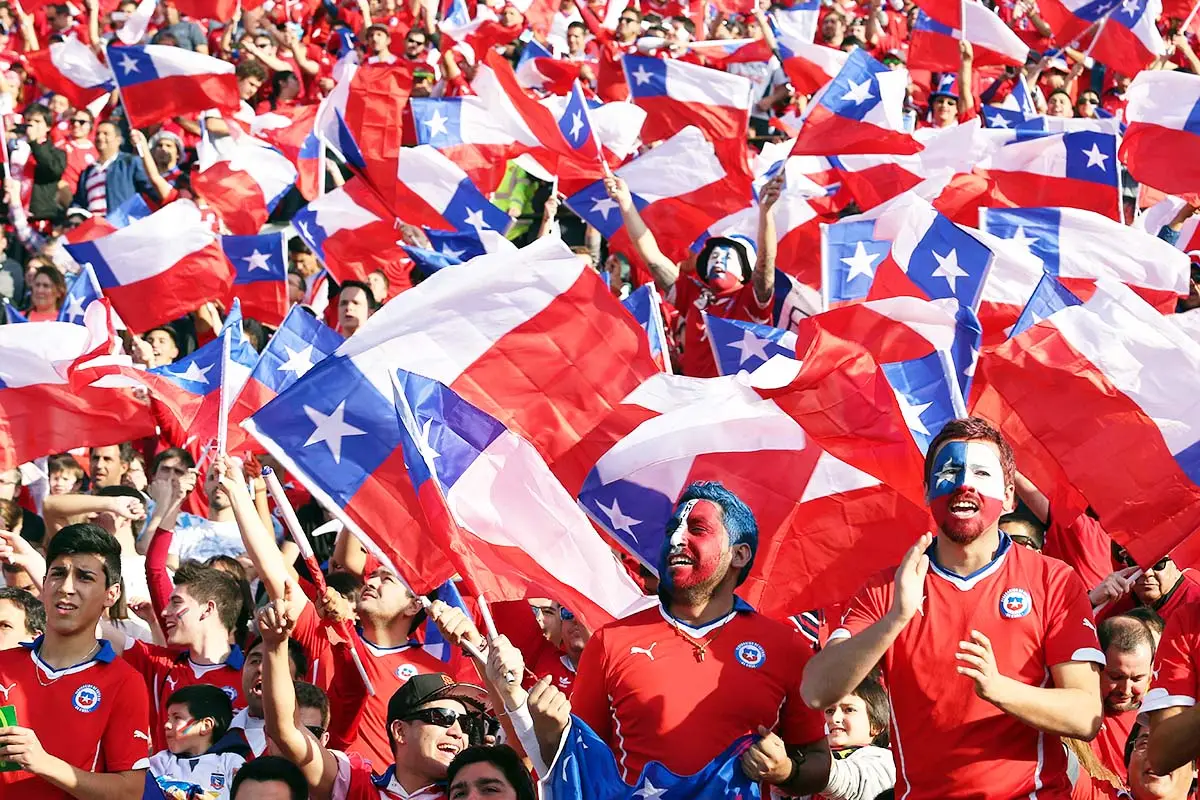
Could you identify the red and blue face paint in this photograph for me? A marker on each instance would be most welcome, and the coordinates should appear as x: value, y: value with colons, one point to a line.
x: 693, y: 551
x: 966, y: 489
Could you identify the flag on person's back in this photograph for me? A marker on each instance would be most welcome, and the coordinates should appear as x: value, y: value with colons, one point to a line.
x: 243, y: 182
x: 70, y: 68
x: 492, y: 505
x: 1130, y: 378
x: 645, y: 304
x: 350, y: 230
x: 676, y: 94
x: 1078, y: 247
x: 260, y: 275
x: 158, y: 82
x: 1161, y: 146
x: 159, y: 268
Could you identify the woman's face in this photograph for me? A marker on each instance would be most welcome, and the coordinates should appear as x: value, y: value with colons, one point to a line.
x: 1059, y: 105
x: 847, y: 723
x: 45, y: 294
x: 1086, y: 107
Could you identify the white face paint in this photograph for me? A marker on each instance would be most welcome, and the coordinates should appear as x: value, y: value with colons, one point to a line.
x: 721, y: 260
x: 972, y: 464
x: 677, y: 535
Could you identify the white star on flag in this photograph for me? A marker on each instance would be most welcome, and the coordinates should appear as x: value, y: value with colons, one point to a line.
x: 1096, y: 158
x: 949, y: 269
x: 1130, y: 7
x: 74, y: 308
x: 298, y: 361
x: 642, y: 76
x: 331, y: 429
x: 576, y: 125
x: 128, y: 64
x: 257, y: 260
x: 648, y: 791
x: 970, y: 370
x: 447, y: 251
x: 426, y: 448
x: 602, y: 206
x: 912, y: 414
x: 1000, y: 121
x: 195, y: 373
x: 859, y: 92
x: 436, y: 124
x: 861, y: 263
x: 475, y: 220
x: 617, y: 519
x: 749, y: 347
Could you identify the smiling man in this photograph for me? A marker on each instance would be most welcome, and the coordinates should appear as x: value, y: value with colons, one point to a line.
x: 988, y: 649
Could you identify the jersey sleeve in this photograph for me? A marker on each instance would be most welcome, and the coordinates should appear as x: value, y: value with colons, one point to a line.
x: 126, y: 741
x: 1070, y: 631
x: 867, y: 608
x: 1083, y: 544
x: 346, y: 699
x: 798, y: 724
x: 589, y: 698
x: 1176, y: 667
x: 148, y: 659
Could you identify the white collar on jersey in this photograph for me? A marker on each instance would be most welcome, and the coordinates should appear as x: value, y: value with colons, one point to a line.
x: 965, y: 583
x: 104, y: 655
x: 253, y: 728
x: 740, y: 606
x: 387, y: 782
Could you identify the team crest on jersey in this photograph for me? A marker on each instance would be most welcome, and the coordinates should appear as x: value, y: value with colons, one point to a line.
x: 216, y: 781
x: 1015, y: 603
x: 750, y: 654
x: 405, y: 671
x: 230, y: 692
x: 86, y: 698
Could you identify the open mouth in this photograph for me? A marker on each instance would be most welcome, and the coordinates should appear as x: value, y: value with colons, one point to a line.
x: 964, y: 508
x: 680, y: 560
x: 453, y: 748
x: 65, y: 608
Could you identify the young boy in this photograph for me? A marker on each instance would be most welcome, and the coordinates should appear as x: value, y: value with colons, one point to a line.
x: 65, y: 474
x: 190, y: 767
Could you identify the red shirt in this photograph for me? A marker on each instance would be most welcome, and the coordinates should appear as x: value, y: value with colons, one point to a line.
x: 93, y: 716
x: 81, y: 154
x: 642, y: 690
x: 1109, y: 744
x: 355, y: 781
x: 947, y: 742
x: 1083, y: 544
x: 165, y: 669
x: 1177, y: 663
x: 691, y: 297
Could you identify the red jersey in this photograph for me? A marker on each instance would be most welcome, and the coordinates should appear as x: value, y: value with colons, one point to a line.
x: 642, y: 688
x: 355, y: 781
x: 948, y: 742
x: 1109, y: 744
x: 1177, y: 663
x: 81, y: 154
x: 1083, y: 544
x: 93, y: 715
x: 1185, y: 593
x: 691, y: 297
x: 359, y: 720
x: 165, y: 669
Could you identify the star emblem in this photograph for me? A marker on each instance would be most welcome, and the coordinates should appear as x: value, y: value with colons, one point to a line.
x: 861, y: 263
x: 949, y: 269
x: 912, y: 414
x: 858, y: 93
x: 947, y: 474
x: 74, y: 308
x: 602, y: 206
x: 749, y: 347
x: 331, y: 429
x: 195, y: 373
x: 642, y: 76
x: 648, y: 791
x: 1023, y: 239
x: 1096, y: 158
x: 451, y: 253
x: 475, y: 220
x: 617, y: 519
x: 426, y: 448
x: 128, y: 64
x: 1130, y: 7
x: 576, y: 126
x: 1000, y: 121
x: 302, y: 227
x: 298, y: 361
x: 257, y: 260
x: 436, y: 124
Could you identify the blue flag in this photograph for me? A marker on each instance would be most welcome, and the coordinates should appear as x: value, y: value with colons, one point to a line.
x: 11, y: 315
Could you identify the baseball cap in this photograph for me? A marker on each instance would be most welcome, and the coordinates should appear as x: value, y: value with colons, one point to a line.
x: 421, y: 689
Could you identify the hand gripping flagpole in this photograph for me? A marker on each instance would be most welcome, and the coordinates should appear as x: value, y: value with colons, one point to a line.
x: 306, y: 552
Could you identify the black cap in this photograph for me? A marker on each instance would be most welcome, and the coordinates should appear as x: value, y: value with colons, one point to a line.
x: 421, y: 689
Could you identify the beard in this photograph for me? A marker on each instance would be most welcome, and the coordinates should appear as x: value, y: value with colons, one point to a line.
x: 964, y: 530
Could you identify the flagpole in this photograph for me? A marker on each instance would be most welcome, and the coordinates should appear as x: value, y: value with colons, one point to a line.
x: 292, y: 524
x: 1191, y: 16
x: 223, y: 407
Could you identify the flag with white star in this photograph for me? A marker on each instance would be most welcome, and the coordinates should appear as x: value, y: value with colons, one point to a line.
x: 928, y: 393
x: 158, y: 82
x: 850, y: 253
x: 645, y: 304
x: 81, y: 291
x: 1130, y: 42
x: 435, y: 192
x: 1048, y: 298
x: 676, y: 94
x: 744, y: 346
x: 1160, y: 145
x: 1078, y: 169
x: 576, y: 125
x: 260, y: 274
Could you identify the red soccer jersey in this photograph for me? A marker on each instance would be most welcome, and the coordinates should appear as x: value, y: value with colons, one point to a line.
x: 691, y: 298
x: 1177, y: 663
x: 643, y: 690
x: 947, y: 742
x: 166, y: 669
x: 355, y: 781
x: 1185, y: 593
x: 93, y: 716
x: 1109, y: 744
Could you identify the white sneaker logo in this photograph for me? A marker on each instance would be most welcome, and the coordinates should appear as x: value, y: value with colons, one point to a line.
x: 648, y: 652
x: 6, y: 689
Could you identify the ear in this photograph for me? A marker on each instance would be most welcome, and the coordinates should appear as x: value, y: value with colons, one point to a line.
x: 741, y: 556
x: 1010, y: 498
x: 112, y: 594
x: 397, y: 730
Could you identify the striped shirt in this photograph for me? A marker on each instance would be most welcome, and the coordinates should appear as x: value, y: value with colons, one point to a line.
x: 97, y: 191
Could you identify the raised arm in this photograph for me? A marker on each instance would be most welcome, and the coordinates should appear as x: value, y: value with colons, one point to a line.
x: 966, y: 94
x: 260, y: 543
x: 768, y: 245
x: 58, y: 510
x: 664, y: 270
x: 1032, y: 497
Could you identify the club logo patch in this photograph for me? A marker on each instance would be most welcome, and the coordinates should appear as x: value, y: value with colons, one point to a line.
x: 1015, y: 603
x: 86, y: 698
x: 750, y: 654
x: 231, y: 692
x: 216, y: 781
x: 405, y: 671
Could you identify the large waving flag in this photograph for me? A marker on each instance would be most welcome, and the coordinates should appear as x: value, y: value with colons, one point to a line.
x: 350, y: 230
x: 244, y: 182
x: 645, y: 304
x: 158, y: 82
x: 808, y: 65
x: 801, y: 444
x: 744, y: 346
x: 363, y: 118
x: 1068, y: 19
x: 860, y: 111
x: 71, y: 69
x: 301, y: 342
x: 1078, y: 247
x: 40, y: 413
x: 260, y: 275
x: 494, y: 507
x: 935, y: 46
x: 291, y: 131
x: 159, y: 268
x: 1128, y: 40
x: 433, y: 191
x: 1129, y: 377
x: 1077, y: 169
x: 1161, y: 147
x: 676, y: 94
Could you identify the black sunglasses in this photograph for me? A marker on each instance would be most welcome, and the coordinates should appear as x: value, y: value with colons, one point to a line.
x: 1128, y: 561
x: 471, y: 723
x: 316, y: 730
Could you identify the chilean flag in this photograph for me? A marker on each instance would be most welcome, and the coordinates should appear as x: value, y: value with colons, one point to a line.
x: 739, y: 346
x: 645, y: 304
x: 1079, y: 247
x: 350, y: 230
x: 71, y: 69
x: 539, y: 69
x: 493, y: 506
x: 1129, y: 377
x: 808, y: 65
x: 935, y: 46
x: 81, y: 292
x: 260, y: 275
x: 158, y: 82
x: 42, y: 413
x: 301, y: 342
x: 159, y: 268
x: 478, y: 134
x: 1161, y: 147
x: 1077, y: 169
x: 860, y: 111
x: 433, y: 191
x: 676, y: 94
x: 850, y: 254
x: 1069, y: 19
x: 801, y: 442
x: 291, y: 131
x: 1128, y: 41
x: 11, y: 315
x: 243, y: 182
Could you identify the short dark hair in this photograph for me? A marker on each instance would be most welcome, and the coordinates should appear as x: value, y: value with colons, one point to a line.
x: 347, y: 584
x: 297, y: 246
x: 296, y: 654
x: 209, y: 584
x: 578, y: 26
x: 232, y: 566
x: 116, y: 128
x: 272, y: 768
x: 39, y: 110
x: 205, y: 701
x: 312, y: 696
x: 1124, y: 633
x: 63, y: 462
x: 35, y: 612
x: 53, y: 273
x: 126, y: 449
x: 372, y: 303
x: 1031, y: 528
x: 1149, y: 617
x: 633, y: 10
x: 300, y: 275
x: 503, y: 758
x: 250, y: 69
x: 687, y: 24
x: 974, y: 429
x: 173, y: 452
x: 84, y: 538
x: 879, y: 710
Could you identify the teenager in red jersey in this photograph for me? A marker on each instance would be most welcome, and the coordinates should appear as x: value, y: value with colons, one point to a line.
x: 82, y: 713
x: 988, y: 649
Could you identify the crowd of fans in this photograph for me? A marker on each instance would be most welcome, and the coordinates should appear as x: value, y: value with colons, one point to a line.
x: 160, y: 634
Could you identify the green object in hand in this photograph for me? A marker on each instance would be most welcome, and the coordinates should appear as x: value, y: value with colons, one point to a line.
x: 8, y: 718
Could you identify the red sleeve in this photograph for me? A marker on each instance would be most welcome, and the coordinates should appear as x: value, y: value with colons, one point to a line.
x: 867, y: 607
x: 125, y: 744
x: 589, y: 698
x: 1176, y: 666
x: 799, y: 725
x: 157, y: 579
x: 1083, y: 544
x: 170, y: 431
x: 603, y: 35
x: 1070, y: 631
x: 346, y: 696
x: 149, y: 659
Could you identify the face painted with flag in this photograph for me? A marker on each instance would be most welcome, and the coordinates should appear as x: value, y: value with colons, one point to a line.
x: 967, y: 489
x: 700, y: 548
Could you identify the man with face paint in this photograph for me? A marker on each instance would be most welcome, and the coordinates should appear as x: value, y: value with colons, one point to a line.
x: 679, y: 682
x: 988, y: 649
x: 722, y: 285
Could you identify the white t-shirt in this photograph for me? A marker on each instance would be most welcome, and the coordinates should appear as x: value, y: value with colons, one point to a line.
x: 199, y: 539
x: 207, y: 776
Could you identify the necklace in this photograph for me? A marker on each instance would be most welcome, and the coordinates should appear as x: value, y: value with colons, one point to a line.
x: 43, y: 666
x: 700, y: 648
